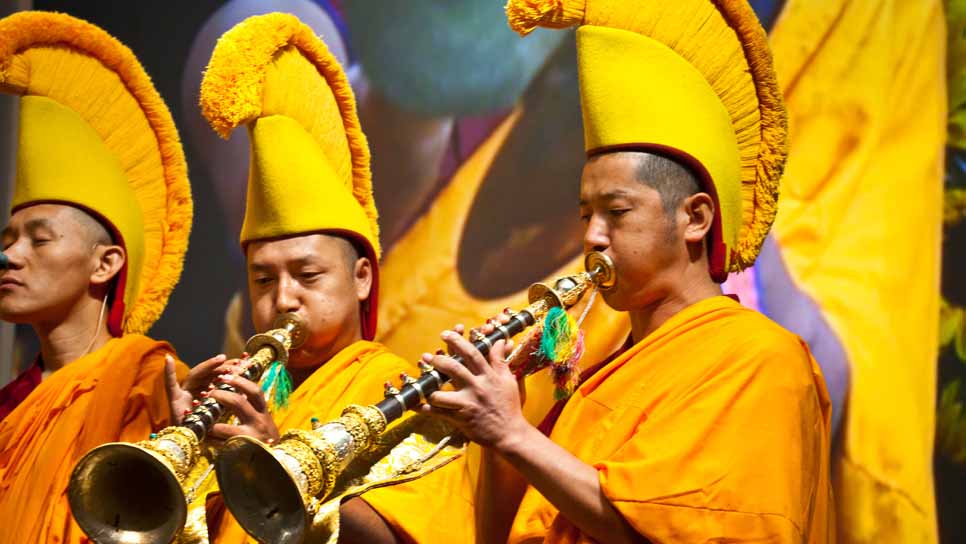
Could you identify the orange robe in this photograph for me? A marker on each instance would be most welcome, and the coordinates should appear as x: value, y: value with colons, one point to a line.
x: 116, y: 393
x: 355, y: 375
x: 437, y: 507
x: 715, y: 427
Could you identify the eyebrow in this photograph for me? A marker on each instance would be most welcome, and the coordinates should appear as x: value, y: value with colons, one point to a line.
x: 39, y: 223
x: 30, y: 226
x: 300, y: 261
x: 606, y: 197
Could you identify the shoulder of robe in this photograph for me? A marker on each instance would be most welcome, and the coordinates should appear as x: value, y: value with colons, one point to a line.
x: 148, y: 353
x: 381, y: 355
x: 766, y: 349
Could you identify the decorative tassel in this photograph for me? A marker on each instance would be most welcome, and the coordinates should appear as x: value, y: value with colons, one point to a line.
x: 556, y: 342
x: 277, y: 386
x: 566, y: 375
x: 525, y: 360
x: 524, y: 16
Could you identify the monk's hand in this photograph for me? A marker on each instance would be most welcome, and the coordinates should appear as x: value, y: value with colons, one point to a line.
x: 248, y: 404
x: 198, y: 381
x: 491, y: 324
x: 485, y: 402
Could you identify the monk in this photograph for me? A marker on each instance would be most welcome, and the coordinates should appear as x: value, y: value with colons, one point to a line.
x: 712, y: 423
x: 94, y: 245
x: 310, y: 239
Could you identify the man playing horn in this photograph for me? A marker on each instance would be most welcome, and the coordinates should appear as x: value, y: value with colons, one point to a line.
x: 712, y: 423
x: 310, y: 238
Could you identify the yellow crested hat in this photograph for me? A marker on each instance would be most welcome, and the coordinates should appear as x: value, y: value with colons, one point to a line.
x: 689, y: 79
x: 309, y: 167
x: 95, y: 134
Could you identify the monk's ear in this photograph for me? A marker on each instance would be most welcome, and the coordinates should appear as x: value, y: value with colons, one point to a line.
x: 108, y: 262
x: 362, y: 277
x: 699, y: 208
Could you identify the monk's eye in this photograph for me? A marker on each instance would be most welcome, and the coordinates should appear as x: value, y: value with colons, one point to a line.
x: 262, y: 280
x: 309, y: 276
x: 618, y: 212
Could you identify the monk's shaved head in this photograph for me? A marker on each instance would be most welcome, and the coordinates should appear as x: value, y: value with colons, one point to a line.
x: 92, y: 229
x: 671, y: 179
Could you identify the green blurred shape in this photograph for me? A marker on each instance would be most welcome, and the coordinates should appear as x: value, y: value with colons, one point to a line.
x: 956, y: 71
x: 445, y: 57
x: 951, y: 423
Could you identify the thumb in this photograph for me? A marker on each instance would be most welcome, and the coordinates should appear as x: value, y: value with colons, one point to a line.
x: 499, y: 352
x: 171, y: 377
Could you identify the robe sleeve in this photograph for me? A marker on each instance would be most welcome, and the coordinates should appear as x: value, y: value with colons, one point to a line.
x: 736, y: 458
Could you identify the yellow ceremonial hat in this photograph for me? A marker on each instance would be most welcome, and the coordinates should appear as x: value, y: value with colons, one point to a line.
x: 689, y: 79
x: 95, y: 134
x: 309, y: 167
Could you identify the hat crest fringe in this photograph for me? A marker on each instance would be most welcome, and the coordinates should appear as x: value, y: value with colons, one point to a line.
x: 525, y: 16
x: 34, y: 28
x: 231, y: 91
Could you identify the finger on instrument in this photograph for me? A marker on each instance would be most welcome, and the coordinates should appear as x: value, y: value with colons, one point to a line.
x: 250, y: 389
x: 224, y: 431
x: 500, y: 350
x: 171, y: 377
x: 236, y: 403
x: 450, y: 400
x: 442, y: 413
x: 450, y: 367
x: 472, y: 357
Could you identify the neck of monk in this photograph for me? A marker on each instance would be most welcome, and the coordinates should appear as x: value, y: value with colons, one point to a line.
x: 681, y: 291
x: 83, y: 330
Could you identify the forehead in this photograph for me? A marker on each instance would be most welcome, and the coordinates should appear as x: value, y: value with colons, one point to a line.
x: 316, y: 248
x: 613, y: 175
x: 53, y: 214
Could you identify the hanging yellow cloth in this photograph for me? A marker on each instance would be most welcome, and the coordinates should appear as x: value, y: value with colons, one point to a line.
x: 865, y: 88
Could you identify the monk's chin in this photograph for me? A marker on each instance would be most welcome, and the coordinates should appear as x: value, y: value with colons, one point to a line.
x: 615, y: 301
x: 15, y: 316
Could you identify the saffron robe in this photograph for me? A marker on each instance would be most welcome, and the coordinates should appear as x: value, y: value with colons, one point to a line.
x: 715, y: 427
x: 116, y: 393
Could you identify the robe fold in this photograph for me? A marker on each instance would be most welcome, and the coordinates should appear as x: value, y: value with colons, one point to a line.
x: 116, y: 393
x: 715, y: 427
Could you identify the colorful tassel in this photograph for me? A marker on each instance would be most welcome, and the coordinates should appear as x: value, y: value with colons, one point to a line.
x: 556, y: 343
x: 277, y: 386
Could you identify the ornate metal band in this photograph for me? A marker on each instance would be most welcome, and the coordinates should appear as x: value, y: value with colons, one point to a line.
x: 178, y: 445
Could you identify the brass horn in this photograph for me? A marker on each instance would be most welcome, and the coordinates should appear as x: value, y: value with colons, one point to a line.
x: 131, y: 493
x: 275, y: 491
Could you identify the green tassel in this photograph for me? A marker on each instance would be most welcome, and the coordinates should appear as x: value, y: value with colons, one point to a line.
x: 555, y: 331
x: 278, y: 385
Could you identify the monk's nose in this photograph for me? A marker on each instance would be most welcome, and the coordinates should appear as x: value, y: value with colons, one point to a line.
x: 287, y: 299
x: 595, y: 237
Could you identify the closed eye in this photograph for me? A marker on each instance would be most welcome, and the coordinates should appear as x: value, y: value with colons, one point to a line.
x: 309, y: 276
